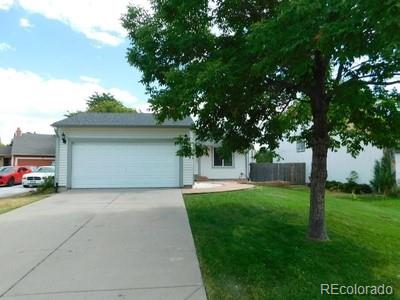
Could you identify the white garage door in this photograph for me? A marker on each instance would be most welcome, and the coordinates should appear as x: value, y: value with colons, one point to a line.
x: 119, y: 165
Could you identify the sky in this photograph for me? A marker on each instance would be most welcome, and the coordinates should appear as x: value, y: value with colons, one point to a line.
x: 54, y: 54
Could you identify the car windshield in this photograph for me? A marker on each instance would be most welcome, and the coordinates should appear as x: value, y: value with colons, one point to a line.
x: 45, y: 170
x: 6, y: 170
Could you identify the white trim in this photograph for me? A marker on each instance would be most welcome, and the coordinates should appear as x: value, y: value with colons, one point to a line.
x: 223, y: 161
x: 300, y: 146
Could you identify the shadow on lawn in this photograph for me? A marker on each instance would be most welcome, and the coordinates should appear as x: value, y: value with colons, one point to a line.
x: 250, y: 252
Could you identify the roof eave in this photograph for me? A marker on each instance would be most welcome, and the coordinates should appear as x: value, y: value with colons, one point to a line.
x: 33, y: 154
x: 123, y: 126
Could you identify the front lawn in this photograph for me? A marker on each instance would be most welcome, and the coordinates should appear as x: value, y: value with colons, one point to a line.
x: 251, y: 244
x: 10, y: 203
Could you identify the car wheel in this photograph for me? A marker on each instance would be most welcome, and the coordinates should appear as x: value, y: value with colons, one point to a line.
x: 25, y: 186
x: 11, y: 181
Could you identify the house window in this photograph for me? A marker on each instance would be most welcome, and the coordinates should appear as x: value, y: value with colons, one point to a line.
x: 221, y: 161
x: 300, y: 146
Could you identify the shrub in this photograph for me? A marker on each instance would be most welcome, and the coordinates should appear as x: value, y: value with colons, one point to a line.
x: 333, y: 185
x: 395, y: 192
x: 363, y: 189
x: 351, y: 186
x: 47, y: 186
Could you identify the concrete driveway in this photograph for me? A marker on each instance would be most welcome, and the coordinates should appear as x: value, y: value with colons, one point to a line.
x: 100, y: 244
x: 8, y: 191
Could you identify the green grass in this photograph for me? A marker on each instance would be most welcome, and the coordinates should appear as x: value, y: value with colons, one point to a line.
x: 10, y: 203
x: 252, y: 244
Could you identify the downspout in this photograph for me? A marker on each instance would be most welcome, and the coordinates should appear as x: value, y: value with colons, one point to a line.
x: 199, y: 166
x: 246, y: 161
x: 57, y: 159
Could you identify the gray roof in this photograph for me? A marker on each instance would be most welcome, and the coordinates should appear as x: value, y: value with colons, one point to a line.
x: 34, y: 144
x: 119, y: 120
x: 5, y: 150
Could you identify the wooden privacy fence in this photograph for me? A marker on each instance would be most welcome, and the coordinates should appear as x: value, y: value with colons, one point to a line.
x: 295, y: 173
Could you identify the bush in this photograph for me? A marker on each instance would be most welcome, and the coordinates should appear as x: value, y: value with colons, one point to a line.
x: 363, y: 189
x: 47, y: 187
x: 351, y: 186
x: 333, y: 185
x: 395, y: 192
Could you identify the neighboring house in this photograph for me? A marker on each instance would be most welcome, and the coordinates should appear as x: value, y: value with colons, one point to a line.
x: 29, y: 149
x: 340, y: 163
x: 5, y: 155
x: 116, y: 150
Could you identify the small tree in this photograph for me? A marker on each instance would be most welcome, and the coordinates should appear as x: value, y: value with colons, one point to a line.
x: 384, y: 178
x: 353, y: 177
x: 351, y: 182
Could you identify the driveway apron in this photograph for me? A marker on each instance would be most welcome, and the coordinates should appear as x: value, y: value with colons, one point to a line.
x: 100, y: 244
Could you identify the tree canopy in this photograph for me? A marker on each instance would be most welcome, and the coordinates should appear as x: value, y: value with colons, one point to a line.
x: 104, y: 102
x: 255, y: 71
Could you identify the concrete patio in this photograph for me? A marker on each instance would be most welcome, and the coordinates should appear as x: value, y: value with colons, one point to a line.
x: 217, y: 187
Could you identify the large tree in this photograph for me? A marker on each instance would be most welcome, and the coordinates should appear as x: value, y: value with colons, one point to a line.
x: 257, y: 71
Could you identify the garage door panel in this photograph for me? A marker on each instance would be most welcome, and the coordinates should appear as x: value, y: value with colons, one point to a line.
x: 37, y: 162
x: 108, y: 165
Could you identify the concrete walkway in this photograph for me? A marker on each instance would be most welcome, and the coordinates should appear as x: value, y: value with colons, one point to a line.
x: 10, y: 191
x: 107, y: 244
x: 220, y: 186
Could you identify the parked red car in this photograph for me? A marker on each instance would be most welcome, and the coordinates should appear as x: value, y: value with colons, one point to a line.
x: 12, y: 175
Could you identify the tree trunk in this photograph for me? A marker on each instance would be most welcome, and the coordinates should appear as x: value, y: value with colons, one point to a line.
x: 319, y: 143
x: 316, y: 226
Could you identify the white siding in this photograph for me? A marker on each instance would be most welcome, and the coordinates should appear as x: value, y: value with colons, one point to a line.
x: 62, y: 163
x: 207, y: 169
x: 187, y: 171
x: 397, y: 160
x: 195, y: 166
x: 340, y: 163
x: 116, y: 133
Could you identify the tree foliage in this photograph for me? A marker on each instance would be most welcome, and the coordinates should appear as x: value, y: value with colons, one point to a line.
x: 104, y: 103
x: 263, y: 155
x: 256, y: 71
x: 384, y: 178
x: 252, y: 81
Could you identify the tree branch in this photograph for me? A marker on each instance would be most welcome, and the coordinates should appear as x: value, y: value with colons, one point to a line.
x: 381, y: 82
x: 282, y: 84
x: 285, y: 106
x: 340, y: 73
x: 358, y: 65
